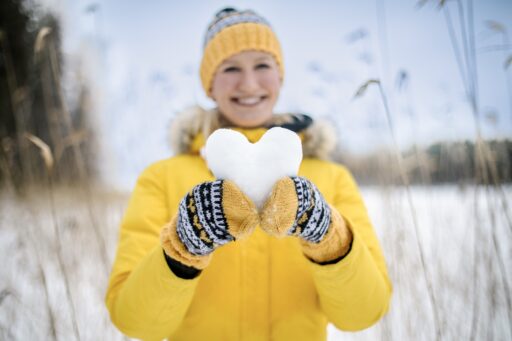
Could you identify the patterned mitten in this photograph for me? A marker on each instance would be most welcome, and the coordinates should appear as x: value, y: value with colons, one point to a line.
x: 210, y: 215
x: 297, y: 208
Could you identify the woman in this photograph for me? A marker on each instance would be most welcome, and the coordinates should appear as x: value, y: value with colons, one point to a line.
x: 197, y: 261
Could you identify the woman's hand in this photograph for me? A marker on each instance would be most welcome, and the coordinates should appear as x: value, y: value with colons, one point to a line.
x: 210, y: 215
x: 296, y: 207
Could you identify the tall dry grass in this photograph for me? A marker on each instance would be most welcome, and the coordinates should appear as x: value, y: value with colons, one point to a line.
x: 485, y: 165
x: 487, y: 173
x: 405, y: 181
x: 62, y: 162
x: 48, y: 159
x: 53, y: 277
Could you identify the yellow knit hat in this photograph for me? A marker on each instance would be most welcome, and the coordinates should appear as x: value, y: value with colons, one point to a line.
x: 232, y: 32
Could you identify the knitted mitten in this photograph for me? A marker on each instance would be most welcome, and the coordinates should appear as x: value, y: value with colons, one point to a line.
x: 210, y: 215
x: 297, y: 208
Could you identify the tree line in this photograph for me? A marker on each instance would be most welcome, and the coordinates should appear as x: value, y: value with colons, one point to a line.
x: 438, y: 163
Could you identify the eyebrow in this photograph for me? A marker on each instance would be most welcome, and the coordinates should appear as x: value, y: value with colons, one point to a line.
x: 259, y: 59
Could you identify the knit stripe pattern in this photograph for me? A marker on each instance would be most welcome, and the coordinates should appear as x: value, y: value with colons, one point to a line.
x: 313, y: 213
x: 202, y: 225
x: 230, y: 19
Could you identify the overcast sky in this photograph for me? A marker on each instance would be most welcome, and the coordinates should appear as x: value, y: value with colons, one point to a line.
x: 143, y: 57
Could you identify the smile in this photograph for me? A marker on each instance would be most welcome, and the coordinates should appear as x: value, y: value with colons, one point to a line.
x: 249, y: 101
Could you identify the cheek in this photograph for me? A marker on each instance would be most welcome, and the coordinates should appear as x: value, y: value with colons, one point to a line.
x: 222, y: 86
x: 271, y: 82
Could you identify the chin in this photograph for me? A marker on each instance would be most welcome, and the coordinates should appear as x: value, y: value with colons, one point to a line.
x: 249, y: 120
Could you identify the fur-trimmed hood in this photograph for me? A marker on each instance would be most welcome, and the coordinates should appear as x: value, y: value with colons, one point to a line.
x: 189, y: 128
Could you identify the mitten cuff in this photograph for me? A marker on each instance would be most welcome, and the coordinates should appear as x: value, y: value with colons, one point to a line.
x: 175, y: 249
x: 334, y: 245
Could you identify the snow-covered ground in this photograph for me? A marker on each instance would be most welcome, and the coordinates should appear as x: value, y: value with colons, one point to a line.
x: 74, y: 242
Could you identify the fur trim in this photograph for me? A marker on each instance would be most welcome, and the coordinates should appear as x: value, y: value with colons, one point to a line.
x: 318, y: 139
x: 185, y: 127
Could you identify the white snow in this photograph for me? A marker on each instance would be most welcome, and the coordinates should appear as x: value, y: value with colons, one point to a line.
x: 254, y: 167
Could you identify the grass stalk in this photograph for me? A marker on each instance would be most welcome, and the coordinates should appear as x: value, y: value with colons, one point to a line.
x: 79, y: 159
x: 485, y: 165
x: 475, y: 309
x: 16, y: 98
x: 470, y: 66
x: 64, y: 113
x: 497, y: 251
x: 44, y: 281
x: 405, y: 182
x: 421, y: 158
x: 455, y: 46
x: 490, y: 163
x: 47, y: 156
x: 5, y: 169
x: 47, y: 85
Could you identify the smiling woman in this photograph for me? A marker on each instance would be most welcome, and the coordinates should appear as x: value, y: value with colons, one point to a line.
x: 197, y: 259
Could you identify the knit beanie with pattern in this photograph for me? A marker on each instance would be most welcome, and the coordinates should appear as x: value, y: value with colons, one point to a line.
x: 232, y: 32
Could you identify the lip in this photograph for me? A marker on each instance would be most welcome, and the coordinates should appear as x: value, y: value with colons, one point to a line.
x: 249, y: 103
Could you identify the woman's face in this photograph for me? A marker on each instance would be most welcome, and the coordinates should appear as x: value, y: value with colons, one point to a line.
x: 246, y: 87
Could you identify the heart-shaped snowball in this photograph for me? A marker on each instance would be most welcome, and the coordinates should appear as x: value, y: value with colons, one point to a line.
x: 254, y: 167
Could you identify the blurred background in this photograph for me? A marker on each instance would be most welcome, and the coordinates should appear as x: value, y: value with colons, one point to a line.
x: 420, y: 94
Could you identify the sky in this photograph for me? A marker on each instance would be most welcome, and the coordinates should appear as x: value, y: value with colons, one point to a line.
x: 141, y: 59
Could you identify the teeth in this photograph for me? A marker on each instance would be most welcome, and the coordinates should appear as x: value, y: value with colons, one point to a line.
x: 249, y: 100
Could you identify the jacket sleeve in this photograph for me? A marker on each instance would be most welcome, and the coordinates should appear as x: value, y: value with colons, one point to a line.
x: 355, y: 292
x: 145, y: 299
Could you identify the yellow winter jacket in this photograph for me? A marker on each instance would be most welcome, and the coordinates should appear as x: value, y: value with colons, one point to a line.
x: 261, y: 288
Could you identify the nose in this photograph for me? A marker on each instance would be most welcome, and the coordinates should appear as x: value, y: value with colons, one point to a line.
x: 248, y: 82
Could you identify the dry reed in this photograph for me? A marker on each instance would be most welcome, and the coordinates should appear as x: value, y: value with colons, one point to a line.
x: 484, y: 164
x: 405, y: 181
x: 47, y: 156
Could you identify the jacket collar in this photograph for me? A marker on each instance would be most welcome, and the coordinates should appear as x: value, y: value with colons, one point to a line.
x: 318, y: 138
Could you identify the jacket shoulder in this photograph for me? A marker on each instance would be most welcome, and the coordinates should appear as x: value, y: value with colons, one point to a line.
x: 180, y: 160
x: 178, y: 173
x: 316, y: 165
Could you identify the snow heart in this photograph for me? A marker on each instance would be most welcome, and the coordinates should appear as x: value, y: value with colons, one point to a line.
x: 254, y: 167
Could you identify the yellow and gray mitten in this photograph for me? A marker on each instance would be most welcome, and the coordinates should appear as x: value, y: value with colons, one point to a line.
x: 210, y: 215
x: 297, y: 208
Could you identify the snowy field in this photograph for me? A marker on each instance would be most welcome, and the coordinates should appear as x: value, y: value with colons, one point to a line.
x: 58, y: 248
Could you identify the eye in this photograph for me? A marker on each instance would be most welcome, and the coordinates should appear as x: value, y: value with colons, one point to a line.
x: 262, y: 66
x: 231, y: 69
